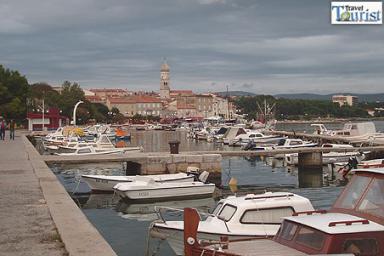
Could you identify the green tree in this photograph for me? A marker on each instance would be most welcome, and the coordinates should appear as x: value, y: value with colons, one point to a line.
x: 69, y: 96
x: 13, y: 94
x: 40, y: 91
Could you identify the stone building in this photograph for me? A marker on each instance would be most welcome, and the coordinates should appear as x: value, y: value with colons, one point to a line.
x: 136, y: 104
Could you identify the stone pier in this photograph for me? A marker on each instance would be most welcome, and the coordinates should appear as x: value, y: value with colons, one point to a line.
x: 151, y: 163
x: 310, y: 170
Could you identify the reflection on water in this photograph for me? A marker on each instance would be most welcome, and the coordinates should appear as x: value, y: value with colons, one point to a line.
x: 147, y: 211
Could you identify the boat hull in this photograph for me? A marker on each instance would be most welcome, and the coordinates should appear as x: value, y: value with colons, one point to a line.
x: 176, y: 192
x: 107, y: 184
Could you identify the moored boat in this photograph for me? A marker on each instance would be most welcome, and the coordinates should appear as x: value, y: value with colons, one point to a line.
x: 249, y: 216
x: 89, y: 150
x: 285, y: 144
x: 106, y: 183
x: 147, y: 189
x: 328, y: 158
x: 353, y: 226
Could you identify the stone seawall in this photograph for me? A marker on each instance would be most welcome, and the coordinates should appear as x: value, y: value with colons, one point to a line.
x: 160, y: 164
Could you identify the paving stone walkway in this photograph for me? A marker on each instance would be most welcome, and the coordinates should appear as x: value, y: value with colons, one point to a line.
x: 26, y: 226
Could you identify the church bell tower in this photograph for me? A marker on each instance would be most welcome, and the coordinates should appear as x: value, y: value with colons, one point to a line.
x: 164, y: 81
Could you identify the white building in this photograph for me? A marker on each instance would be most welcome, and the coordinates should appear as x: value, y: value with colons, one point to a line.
x: 342, y: 100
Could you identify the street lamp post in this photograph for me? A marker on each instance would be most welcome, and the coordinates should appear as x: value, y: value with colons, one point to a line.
x: 43, y: 115
x: 74, y: 111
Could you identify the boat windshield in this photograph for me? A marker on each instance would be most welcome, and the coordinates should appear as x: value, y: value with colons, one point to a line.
x: 365, y: 195
x: 373, y: 201
x: 227, y: 212
x: 217, y: 208
x: 353, y: 192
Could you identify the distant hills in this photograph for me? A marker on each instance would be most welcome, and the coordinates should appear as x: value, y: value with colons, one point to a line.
x: 235, y: 93
x: 311, y: 96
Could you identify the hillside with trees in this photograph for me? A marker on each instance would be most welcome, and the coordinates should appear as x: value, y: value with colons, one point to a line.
x: 295, y: 109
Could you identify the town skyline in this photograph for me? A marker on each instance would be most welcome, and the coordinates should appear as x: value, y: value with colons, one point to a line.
x: 263, y: 47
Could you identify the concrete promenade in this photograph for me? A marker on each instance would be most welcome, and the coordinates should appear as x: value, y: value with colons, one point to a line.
x: 37, y: 216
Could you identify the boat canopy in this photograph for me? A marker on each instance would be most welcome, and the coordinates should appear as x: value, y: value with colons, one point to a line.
x: 363, y: 195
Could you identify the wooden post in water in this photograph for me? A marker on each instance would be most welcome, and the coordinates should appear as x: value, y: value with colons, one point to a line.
x: 310, y: 170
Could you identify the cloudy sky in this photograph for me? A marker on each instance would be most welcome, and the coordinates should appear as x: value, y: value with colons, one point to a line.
x: 261, y: 46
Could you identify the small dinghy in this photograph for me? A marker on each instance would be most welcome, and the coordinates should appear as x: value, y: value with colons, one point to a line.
x: 106, y: 183
x: 145, y: 188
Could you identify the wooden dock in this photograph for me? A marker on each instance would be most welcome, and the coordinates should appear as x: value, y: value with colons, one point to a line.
x: 356, y: 140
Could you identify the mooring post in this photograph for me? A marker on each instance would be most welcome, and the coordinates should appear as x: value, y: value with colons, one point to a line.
x: 174, y: 146
x: 310, y: 170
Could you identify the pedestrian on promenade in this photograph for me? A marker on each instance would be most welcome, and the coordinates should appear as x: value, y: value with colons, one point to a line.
x: 12, y: 130
x: 2, y: 129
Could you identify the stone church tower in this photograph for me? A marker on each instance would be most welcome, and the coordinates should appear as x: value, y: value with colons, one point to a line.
x: 164, y: 81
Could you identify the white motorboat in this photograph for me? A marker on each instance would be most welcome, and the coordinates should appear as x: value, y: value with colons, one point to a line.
x: 232, y: 133
x: 106, y: 183
x: 54, y: 140
x: 328, y: 158
x: 287, y: 144
x: 320, y: 129
x: 147, y: 189
x: 58, y: 132
x: 103, y: 143
x: 253, y: 136
x: 249, y: 216
x: 89, y: 150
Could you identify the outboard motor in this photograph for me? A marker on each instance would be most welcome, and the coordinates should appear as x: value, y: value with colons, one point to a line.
x: 204, y: 176
x: 193, y: 171
x: 249, y: 145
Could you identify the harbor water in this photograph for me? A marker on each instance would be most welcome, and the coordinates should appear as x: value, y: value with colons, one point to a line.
x: 125, y: 225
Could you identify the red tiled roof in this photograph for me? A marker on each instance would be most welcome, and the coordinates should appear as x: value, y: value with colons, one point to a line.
x: 124, y: 100
x: 181, y: 92
x: 107, y: 90
x: 93, y: 98
x: 134, y: 99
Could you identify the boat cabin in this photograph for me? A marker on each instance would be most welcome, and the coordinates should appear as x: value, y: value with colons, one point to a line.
x: 262, y: 209
x: 355, y: 223
x: 356, y: 129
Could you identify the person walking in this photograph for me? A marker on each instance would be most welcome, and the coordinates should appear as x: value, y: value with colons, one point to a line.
x: 2, y: 128
x: 12, y: 130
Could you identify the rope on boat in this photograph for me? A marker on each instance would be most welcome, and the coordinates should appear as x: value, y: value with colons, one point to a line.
x: 77, y: 186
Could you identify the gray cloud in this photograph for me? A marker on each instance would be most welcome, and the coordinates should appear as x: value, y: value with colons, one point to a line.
x: 264, y: 46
